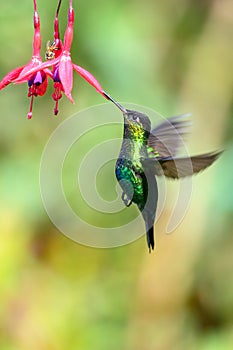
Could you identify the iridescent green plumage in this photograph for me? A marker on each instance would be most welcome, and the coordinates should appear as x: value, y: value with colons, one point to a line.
x: 145, y: 153
x: 130, y: 173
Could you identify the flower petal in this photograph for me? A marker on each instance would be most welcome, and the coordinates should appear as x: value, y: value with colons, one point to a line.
x: 10, y: 76
x: 89, y: 78
x: 43, y: 87
x: 66, y: 75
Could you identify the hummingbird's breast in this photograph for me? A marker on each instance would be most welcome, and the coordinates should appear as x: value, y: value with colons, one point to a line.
x: 129, y: 170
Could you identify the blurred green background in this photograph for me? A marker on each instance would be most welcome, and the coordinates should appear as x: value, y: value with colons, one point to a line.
x: 174, y: 56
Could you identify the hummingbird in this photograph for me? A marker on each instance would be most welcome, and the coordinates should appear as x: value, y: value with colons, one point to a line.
x: 147, y: 153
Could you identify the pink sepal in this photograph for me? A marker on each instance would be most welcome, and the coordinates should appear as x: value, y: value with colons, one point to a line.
x: 36, y: 69
x: 10, y: 76
x: 66, y: 75
x: 89, y: 78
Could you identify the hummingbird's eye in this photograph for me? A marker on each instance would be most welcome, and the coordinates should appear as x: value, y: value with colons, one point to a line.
x: 136, y: 118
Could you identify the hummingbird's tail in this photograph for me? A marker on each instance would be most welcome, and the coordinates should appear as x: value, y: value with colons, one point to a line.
x: 149, y: 209
x: 150, y: 238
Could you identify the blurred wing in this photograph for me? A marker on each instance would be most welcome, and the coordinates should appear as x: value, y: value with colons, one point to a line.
x: 176, y: 168
x: 181, y: 167
x: 167, y: 138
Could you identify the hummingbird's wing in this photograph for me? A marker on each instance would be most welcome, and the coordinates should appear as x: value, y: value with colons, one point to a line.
x: 176, y: 168
x: 167, y: 138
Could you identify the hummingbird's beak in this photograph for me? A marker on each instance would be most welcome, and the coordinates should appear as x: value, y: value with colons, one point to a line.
x: 121, y: 108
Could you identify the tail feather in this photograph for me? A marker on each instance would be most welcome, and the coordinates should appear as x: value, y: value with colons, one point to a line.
x: 149, y: 219
x: 150, y: 238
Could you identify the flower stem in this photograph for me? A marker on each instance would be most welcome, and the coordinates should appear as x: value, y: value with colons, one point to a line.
x: 56, y: 25
x: 58, y: 8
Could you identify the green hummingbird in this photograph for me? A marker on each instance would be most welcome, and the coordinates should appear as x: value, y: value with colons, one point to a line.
x: 147, y: 153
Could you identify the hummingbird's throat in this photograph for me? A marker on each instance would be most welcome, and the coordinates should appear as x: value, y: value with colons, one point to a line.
x: 137, y: 132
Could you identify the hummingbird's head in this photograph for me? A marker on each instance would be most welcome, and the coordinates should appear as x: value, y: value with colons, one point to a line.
x: 137, y: 120
x: 137, y: 126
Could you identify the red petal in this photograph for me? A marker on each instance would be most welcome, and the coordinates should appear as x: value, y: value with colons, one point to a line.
x: 10, y: 76
x: 42, y: 88
x: 89, y: 78
x: 66, y: 75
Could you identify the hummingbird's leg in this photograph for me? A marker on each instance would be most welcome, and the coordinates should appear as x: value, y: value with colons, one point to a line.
x: 127, y: 201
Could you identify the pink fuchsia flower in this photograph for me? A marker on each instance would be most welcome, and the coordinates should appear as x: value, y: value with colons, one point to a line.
x: 62, y: 67
x: 38, y: 81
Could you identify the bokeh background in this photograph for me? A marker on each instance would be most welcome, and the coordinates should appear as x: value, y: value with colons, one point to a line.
x: 173, y: 56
